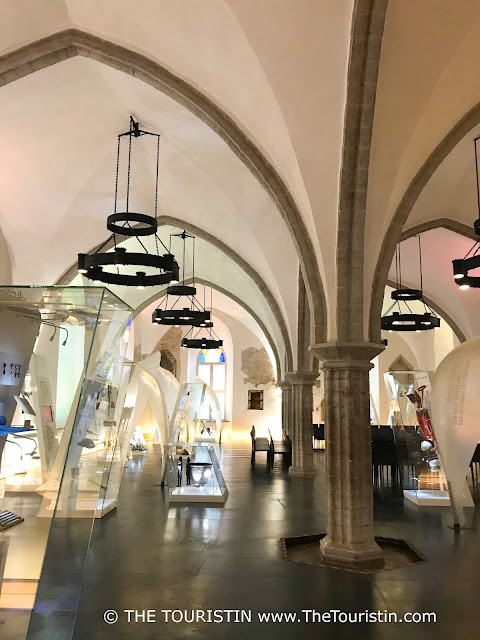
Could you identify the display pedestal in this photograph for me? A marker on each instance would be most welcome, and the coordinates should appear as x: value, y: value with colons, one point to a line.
x: 197, y: 494
x: 425, y: 498
x: 139, y: 454
x: 84, y: 508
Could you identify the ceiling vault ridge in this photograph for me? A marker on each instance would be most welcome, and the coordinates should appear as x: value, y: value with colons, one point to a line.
x: 74, y: 42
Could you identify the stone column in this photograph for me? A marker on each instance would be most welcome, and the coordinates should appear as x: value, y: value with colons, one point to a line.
x: 301, y: 434
x: 350, y: 538
x: 287, y: 412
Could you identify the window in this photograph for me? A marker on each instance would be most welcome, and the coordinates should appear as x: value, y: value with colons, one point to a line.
x: 255, y: 400
x: 212, y: 370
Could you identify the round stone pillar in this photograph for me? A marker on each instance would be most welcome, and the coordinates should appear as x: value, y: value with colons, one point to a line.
x: 287, y: 412
x: 301, y: 435
x: 350, y: 538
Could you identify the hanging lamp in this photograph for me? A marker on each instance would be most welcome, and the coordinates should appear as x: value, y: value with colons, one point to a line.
x: 403, y: 318
x: 189, y: 310
x: 462, y: 266
x: 107, y: 267
x: 209, y: 339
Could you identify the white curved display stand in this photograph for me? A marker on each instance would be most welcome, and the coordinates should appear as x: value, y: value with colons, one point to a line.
x: 456, y: 420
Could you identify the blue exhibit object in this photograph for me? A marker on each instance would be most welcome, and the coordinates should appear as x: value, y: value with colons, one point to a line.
x: 5, y: 430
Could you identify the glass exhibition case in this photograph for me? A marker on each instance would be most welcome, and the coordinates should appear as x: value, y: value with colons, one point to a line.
x: 193, y: 473
x: 197, y: 415
x: 421, y: 469
x: 64, y: 442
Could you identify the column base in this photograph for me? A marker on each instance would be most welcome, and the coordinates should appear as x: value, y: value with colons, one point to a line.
x: 301, y: 472
x: 345, y: 555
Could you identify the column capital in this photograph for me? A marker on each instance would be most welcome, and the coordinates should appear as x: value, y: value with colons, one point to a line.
x: 284, y: 384
x: 346, y: 355
x: 301, y: 377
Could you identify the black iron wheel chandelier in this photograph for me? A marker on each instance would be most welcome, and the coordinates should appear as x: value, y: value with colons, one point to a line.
x: 185, y: 309
x: 205, y: 337
x: 403, y: 318
x: 107, y: 267
x: 463, y: 266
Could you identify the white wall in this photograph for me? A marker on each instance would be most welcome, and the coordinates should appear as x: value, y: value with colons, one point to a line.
x: 243, y: 418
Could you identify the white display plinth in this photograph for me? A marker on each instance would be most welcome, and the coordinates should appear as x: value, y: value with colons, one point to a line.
x: 197, y: 494
x: 83, y: 508
x: 428, y: 498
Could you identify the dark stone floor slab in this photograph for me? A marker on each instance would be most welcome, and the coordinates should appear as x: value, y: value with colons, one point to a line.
x: 147, y: 556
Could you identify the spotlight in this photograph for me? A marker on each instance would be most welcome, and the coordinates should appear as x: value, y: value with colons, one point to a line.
x: 141, y: 280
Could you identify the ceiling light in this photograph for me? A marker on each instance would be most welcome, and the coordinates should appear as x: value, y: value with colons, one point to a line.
x: 192, y: 313
x: 404, y: 319
x: 130, y: 224
x: 471, y: 261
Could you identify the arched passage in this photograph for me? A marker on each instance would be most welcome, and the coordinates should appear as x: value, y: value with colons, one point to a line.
x: 402, y: 212
x: 72, y: 42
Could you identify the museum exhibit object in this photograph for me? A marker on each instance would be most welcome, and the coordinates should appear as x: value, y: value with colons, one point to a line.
x: 421, y: 470
x: 456, y: 416
x: 206, y: 484
x: 72, y: 461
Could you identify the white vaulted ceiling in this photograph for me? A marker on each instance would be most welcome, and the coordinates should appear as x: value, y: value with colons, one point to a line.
x: 439, y: 248
x: 58, y: 129
x: 287, y: 93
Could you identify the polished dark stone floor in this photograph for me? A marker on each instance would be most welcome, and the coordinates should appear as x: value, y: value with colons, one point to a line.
x: 147, y: 556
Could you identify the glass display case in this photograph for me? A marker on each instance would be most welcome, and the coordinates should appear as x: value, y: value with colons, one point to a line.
x: 66, y: 347
x: 197, y: 415
x: 193, y: 473
x: 422, y: 474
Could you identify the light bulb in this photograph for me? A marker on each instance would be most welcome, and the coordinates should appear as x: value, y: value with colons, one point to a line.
x: 458, y: 276
x: 464, y: 287
x: 83, y: 271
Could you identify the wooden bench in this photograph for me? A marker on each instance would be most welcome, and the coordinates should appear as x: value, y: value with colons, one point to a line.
x: 261, y: 444
x: 282, y: 447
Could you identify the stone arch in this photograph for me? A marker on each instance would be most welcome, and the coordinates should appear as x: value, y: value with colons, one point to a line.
x: 71, y: 272
x: 73, y: 42
x: 441, y: 312
x: 366, y: 41
x: 400, y: 217
x: 240, y: 302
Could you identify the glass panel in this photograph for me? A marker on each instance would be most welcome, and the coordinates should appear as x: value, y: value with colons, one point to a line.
x: 201, y: 357
x: 194, y: 474
x: 218, y: 377
x: 221, y: 402
x: 204, y: 372
x: 422, y: 473
x: 186, y: 415
x: 67, y: 350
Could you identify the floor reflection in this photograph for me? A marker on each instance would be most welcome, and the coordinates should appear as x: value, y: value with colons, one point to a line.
x: 149, y: 556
